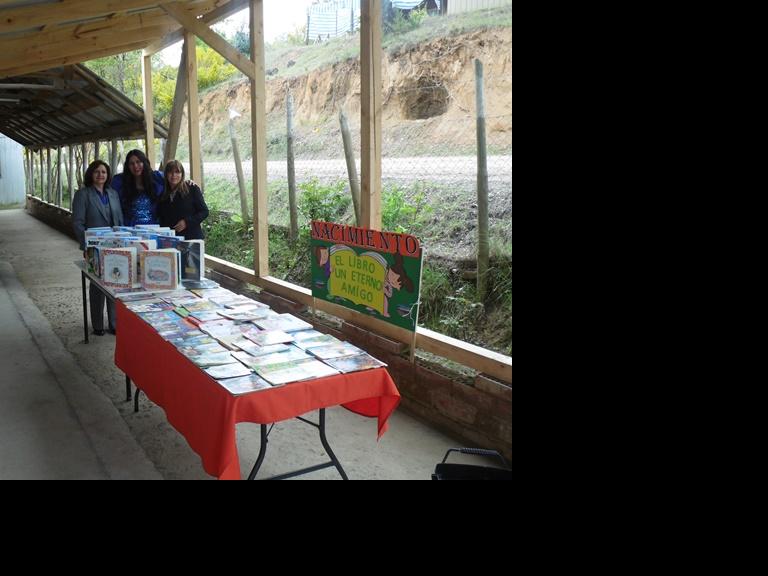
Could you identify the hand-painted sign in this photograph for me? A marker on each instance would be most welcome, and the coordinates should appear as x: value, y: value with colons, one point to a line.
x: 376, y: 273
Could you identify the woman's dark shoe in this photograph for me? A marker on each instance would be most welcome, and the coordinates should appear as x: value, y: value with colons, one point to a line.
x: 113, y: 331
x: 99, y: 332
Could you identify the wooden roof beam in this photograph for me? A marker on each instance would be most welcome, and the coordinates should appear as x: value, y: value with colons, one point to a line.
x: 19, y: 54
x: 211, y: 18
x: 211, y: 38
x: 76, y: 58
x: 35, y: 16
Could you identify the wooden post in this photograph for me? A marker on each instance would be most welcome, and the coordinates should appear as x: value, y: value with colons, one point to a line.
x: 149, y: 108
x: 349, y: 154
x: 193, y: 108
x: 418, y: 308
x: 113, y: 156
x: 26, y: 171
x: 370, y: 113
x: 179, y: 98
x: 259, y: 141
x: 483, y: 243
x: 84, y: 148
x: 294, y: 215
x: 238, y: 169
x: 42, y: 174
x: 59, y: 196
x: 71, y: 174
x: 49, y: 180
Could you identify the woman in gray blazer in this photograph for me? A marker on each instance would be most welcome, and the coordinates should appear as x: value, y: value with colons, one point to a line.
x: 95, y: 206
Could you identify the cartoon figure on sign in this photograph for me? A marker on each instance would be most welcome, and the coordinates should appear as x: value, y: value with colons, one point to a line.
x: 323, y: 257
x: 397, y: 279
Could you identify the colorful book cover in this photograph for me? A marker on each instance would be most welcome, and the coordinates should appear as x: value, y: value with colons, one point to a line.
x: 339, y: 350
x: 355, y: 363
x: 192, y: 260
x: 165, y: 242
x: 287, y: 356
x: 279, y: 374
x: 118, y: 267
x: 160, y: 269
x: 227, y: 371
x: 270, y: 338
x: 322, y: 340
x: 284, y: 322
x: 93, y: 260
x: 245, y: 384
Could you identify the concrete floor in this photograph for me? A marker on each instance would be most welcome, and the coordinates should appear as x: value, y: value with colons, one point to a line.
x: 64, y: 414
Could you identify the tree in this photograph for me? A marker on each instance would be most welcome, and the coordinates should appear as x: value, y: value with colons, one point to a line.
x: 122, y: 72
x: 242, y: 42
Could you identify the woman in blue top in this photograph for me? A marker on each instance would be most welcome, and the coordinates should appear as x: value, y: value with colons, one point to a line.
x: 140, y: 188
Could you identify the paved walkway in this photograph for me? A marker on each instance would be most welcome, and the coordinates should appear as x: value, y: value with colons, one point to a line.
x: 54, y: 423
x: 73, y: 397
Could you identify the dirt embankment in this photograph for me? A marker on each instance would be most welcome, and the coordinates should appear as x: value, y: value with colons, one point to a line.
x: 432, y: 82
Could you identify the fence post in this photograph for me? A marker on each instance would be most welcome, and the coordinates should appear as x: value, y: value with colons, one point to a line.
x: 349, y: 154
x: 483, y: 246
x: 238, y: 168
x: 291, y: 169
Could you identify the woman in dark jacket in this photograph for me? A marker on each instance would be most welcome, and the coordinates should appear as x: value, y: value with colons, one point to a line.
x: 182, y: 206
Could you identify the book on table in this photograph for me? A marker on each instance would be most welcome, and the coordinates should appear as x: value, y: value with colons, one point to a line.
x: 118, y: 267
x: 279, y: 374
x: 245, y: 384
x: 160, y: 269
x: 192, y: 260
x: 355, y: 363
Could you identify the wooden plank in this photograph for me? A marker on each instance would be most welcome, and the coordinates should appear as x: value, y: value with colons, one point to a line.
x: 259, y: 141
x: 482, y: 360
x: 179, y: 98
x: 212, y: 39
x: 485, y: 361
x: 370, y: 114
x: 213, y: 17
x: 193, y: 110
x: 23, y: 18
x: 55, y: 86
x: 149, y: 108
x: 73, y: 53
x: 100, y: 41
x: 99, y: 29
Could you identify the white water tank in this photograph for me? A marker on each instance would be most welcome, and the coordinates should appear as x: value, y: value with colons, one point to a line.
x: 12, y: 179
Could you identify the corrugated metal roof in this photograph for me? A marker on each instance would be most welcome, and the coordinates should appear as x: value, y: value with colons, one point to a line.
x: 67, y: 105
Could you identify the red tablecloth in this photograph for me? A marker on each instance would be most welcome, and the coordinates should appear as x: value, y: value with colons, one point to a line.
x: 206, y: 414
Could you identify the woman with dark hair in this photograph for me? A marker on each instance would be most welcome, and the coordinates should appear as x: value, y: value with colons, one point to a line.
x: 182, y: 206
x: 95, y: 206
x: 140, y: 188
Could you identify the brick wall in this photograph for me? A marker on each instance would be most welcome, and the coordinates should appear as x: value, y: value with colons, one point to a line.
x: 55, y: 217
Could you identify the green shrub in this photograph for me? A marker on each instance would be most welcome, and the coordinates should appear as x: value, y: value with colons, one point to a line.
x: 323, y: 202
x: 403, y: 215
